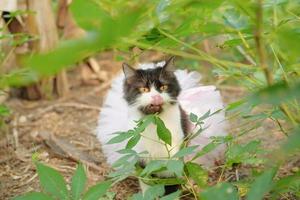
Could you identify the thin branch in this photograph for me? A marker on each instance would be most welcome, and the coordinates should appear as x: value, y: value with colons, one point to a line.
x: 260, y: 43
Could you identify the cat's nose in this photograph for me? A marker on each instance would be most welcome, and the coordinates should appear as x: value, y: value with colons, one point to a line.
x: 157, y: 100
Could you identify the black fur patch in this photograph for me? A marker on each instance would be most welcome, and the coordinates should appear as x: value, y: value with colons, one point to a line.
x: 184, y: 121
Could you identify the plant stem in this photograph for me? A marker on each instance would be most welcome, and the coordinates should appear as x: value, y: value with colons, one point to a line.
x: 220, y: 63
x: 260, y: 43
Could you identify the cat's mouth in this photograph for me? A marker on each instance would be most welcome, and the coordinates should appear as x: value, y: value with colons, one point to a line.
x: 151, y: 109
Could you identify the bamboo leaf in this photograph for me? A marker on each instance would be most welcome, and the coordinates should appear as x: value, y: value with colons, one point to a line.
x: 221, y: 191
x: 52, y: 182
x: 97, y: 191
x: 197, y: 173
x: 78, y: 182
x: 163, y: 132
x: 34, y: 196
x: 262, y: 185
x: 175, y: 166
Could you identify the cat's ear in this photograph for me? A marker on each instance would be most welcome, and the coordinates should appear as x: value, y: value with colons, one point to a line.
x: 128, y: 70
x: 169, y: 65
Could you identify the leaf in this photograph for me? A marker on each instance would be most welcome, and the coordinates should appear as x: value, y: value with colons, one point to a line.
x: 162, y: 132
x: 221, y: 191
x: 97, y: 191
x: 206, y: 149
x: 243, y: 153
x: 286, y: 184
x: 275, y: 94
x: 261, y: 185
x: 120, y: 137
x: 78, y: 182
x: 185, y: 151
x: 293, y: 142
x: 193, y: 117
x: 133, y: 141
x: 152, y: 166
x: 172, y: 196
x: 92, y: 19
x: 154, y: 192
x: 175, y: 166
x: 235, y: 105
x: 197, y: 173
x: 4, y: 110
x: 33, y: 196
x: 52, y: 182
x: 206, y: 115
x: 137, y: 196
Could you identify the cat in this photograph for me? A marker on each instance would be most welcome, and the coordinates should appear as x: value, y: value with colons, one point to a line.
x: 155, y: 91
x: 157, y: 88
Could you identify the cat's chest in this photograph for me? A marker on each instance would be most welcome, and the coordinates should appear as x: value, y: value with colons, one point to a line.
x: 153, y: 145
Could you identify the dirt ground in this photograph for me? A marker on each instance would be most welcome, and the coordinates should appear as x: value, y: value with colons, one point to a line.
x: 48, y: 129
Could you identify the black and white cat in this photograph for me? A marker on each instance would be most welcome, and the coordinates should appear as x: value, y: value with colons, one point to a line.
x: 173, y: 94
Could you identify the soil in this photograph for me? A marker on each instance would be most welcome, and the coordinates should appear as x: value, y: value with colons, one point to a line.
x: 73, y: 119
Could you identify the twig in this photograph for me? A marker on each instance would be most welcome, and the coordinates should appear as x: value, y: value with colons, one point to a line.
x: 65, y: 149
x: 15, y: 133
x: 186, y: 55
x: 221, y: 175
x: 52, y: 107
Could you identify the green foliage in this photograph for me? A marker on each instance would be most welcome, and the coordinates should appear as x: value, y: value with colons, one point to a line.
x: 261, y: 185
x: 197, y: 173
x: 221, y: 191
x: 259, y: 54
x: 78, y: 182
x: 52, y: 182
x: 54, y: 186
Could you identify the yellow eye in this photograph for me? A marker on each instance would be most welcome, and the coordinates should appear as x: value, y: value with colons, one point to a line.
x: 163, y: 87
x: 144, y: 89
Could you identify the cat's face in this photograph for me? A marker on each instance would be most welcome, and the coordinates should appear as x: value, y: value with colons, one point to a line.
x: 151, y: 90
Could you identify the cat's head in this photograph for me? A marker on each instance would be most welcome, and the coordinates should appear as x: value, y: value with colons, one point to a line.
x: 151, y: 90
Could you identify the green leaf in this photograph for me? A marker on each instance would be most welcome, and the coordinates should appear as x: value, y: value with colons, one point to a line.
x: 175, y: 166
x: 206, y: 149
x: 4, y: 110
x: 193, y: 117
x: 97, y: 191
x: 33, y: 196
x: 221, y: 191
x: 152, y: 166
x: 235, y: 105
x: 206, y: 115
x: 275, y: 94
x: 137, y: 196
x: 197, y: 173
x: 52, y: 182
x: 262, y: 185
x: 154, y: 192
x: 121, y: 136
x: 92, y: 19
x: 133, y: 141
x: 243, y: 153
x: 286, y: 184
x: 78, y: 182
x: 293, y: 142
x: 185, y: 151
x: 162, y: 132
x: 172, y: 196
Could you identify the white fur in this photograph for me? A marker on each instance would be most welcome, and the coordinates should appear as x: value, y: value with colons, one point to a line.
x: 117, y: 116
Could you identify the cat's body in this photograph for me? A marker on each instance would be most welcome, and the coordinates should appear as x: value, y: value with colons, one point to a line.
x: 151, y: 143
x: 156, y: 88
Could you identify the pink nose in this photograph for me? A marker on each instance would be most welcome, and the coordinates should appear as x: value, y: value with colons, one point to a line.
x: 157, y: 100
